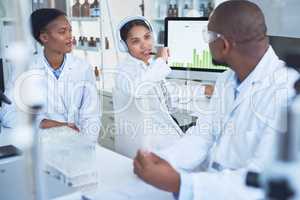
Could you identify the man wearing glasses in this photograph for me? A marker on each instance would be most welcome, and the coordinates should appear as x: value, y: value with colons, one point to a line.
x: 238, y: 132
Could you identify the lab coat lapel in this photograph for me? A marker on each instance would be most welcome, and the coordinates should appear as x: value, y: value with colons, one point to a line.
x: 242, y: 97
x: 261, y: 80
x: 164, y: 108
x: 246, y: 94
x: 251, y: 91
x: 67, y: 68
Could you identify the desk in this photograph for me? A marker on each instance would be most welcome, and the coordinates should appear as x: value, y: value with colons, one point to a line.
x: 118, y: 182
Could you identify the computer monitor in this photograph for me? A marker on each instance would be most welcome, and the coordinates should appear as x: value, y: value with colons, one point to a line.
x: 190, y: 57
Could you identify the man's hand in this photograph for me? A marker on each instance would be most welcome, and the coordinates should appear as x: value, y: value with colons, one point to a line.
x: 156, y: 171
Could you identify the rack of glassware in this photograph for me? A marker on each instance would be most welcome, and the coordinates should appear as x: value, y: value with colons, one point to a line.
x: 88, y: 37
x: 182, y: 8
x: 86, y: 9
x: 177, y: 8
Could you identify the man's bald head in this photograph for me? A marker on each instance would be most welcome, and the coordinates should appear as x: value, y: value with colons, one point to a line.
x: 240, y: 21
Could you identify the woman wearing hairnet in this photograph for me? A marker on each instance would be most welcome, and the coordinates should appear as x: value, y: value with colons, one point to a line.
x: 141, y: 99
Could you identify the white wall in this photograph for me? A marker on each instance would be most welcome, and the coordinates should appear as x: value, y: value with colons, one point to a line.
x: 8, y: 34
x: 282, y: 16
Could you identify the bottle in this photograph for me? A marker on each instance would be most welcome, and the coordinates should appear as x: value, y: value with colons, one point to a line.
x: 209, y: 8
x: 170, y: 10
x: 202, y: 10
x: 85, y: 42
x: 98, y: 43
x: 74, y: 42
x: 95, y: 9
x: 185, y: 10
x: 175, y: 11
x: 85, y: 9
x: 106, y: 43
x: 92, y: 42
x: 76, y: 9
x: 81, y: 41
x: 98, y: 72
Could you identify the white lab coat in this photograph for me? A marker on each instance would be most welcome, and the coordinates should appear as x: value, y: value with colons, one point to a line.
x: 234, y: 135
x: 141, y: 115
x: 72, y: 97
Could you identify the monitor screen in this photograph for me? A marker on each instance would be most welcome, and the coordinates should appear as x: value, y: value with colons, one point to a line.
x: 188, y: 51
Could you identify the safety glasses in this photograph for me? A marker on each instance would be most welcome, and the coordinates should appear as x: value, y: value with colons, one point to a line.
x: 210, y: 36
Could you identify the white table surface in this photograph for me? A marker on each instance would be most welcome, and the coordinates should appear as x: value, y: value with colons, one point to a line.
x: 116, y: 178
x: 118, y: 182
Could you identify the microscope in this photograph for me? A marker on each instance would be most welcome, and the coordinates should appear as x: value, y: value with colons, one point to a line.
x: 281, y: 180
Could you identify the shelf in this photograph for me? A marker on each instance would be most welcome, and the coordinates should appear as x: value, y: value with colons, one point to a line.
x: 95, y: 49
x: 159, y: 45
x: 158, y: 19
x: 84, y: 18
x: 6, y: 20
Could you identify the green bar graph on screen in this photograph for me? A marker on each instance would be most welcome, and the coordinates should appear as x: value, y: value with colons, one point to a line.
x: 199, y: 60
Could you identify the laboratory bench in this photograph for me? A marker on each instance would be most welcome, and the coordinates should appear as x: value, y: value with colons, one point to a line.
x: 116, y: 180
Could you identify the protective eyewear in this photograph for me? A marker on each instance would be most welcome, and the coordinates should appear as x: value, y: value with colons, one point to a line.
x: 210, y: 36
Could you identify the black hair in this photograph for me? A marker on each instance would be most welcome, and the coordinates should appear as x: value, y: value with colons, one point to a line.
x: 41, y: 18
x: 129, y: 25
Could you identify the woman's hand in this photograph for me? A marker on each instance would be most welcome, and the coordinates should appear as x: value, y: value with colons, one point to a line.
x: 163, y: 53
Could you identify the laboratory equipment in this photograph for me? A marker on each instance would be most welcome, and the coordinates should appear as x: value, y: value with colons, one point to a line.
x: 190, y: 57
x: 70, y: 158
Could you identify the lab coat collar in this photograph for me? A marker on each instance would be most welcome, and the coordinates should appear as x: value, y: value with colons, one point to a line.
x: 261, y: 70
x: 44, y: 64
x: 140, y: 62
x: 257, y: 79
x: 56, y: 72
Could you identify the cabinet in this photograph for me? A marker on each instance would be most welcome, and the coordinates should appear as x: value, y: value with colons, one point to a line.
x: 93, y: 26
x: 89, y: 26
x: 106, y: 138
